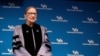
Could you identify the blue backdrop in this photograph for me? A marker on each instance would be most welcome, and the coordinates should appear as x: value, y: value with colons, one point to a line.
x: 73, y: 27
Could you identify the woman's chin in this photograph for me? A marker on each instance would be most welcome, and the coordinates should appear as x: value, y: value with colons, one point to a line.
x: 32, y: 21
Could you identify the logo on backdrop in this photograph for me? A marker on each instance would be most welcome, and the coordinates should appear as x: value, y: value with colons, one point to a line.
x: 10, y: 28
x: 98, y: 55
x: 98, y: 11
x: 90, y: 20
x: 8, y: 52
x: 1, y: 41
x: 75, y: 9
x: 21, y: 18
x: 59, y: 41
x: 75, y: 53
x: 44, y: 7
x: 98, y: 33
x: 75, y: 31
x: 91, y: 42
x: 11, y: 5
x: 1, y: 18
x: 49, y: 31
x: 59, y: 19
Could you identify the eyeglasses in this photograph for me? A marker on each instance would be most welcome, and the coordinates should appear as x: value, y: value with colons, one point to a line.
x: 30, y: 13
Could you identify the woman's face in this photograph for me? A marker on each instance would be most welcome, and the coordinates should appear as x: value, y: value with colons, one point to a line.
x: 31, y: 15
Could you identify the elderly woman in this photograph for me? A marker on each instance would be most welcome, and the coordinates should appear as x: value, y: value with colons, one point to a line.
x: 30, y: 39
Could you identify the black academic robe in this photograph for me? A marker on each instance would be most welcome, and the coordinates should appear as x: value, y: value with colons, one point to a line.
x: 31, y: 41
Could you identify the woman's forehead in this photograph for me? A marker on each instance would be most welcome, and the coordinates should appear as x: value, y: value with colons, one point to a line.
x: 31, y: 10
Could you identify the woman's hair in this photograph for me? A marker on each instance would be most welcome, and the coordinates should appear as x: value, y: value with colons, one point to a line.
x: 29, y: 8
